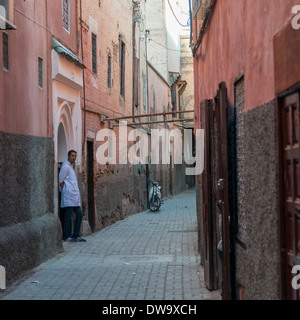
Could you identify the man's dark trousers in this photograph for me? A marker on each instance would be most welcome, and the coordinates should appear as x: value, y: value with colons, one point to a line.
x: 68, y: 211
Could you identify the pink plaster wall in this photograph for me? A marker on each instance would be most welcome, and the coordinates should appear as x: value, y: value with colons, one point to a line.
x: 24, y: 107
x: 240, y: 39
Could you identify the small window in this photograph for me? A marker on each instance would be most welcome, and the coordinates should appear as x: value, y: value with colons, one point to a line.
x: 94, y: 53
x: 122, y: 68
x: 5, y: 52
x: 109, y: 71
x: 66, y: 14
x: 41, y: 72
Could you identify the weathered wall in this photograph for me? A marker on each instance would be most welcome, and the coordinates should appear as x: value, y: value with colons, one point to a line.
x: 245, y: 47
x: 258, y: 231
x: 113, y: 188
x: 29, y: 231
x: 107, y: 20
x: 121, y: 191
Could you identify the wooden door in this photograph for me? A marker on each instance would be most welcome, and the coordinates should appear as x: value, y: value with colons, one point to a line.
x: 207, y: 205
x: 91, y: 185
x: 290, y: 209
x: 222, y: 197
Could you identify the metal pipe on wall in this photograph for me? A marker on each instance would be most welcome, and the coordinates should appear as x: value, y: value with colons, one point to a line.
x: 146, y: 115
x: 155, y: 122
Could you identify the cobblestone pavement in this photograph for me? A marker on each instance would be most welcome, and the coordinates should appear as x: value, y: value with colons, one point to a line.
x: 147, y: 256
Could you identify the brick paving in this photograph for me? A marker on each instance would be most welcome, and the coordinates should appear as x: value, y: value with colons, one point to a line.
x: 147, y: 256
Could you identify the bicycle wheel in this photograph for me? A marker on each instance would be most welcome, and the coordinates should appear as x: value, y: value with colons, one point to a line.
x: 154, y: 204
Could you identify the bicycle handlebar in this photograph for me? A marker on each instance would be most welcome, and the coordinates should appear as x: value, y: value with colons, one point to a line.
x: 153, y: 182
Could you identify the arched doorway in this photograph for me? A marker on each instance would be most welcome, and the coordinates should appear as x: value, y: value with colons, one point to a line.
x: 63, y: 141
x: 62, y: 149
x: 67, y: 82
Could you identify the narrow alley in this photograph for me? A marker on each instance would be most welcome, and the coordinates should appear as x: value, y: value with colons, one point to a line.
x: 101, y: 100
x: 147, y: 256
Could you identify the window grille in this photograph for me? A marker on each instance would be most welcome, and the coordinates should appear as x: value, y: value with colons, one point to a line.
x: 66, y: 14
x: 41, y: 72
x: 122, y: 68
x: 109, y: 71
x: 200, y: 8
x: 94, y: 53
x: 5, y: 51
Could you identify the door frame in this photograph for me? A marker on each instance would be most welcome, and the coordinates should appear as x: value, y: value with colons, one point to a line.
x: 281, y: 188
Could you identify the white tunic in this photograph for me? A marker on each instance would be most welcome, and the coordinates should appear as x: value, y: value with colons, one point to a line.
x: 70, y: 194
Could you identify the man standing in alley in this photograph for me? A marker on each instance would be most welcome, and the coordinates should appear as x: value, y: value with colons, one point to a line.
x: 70, y: 199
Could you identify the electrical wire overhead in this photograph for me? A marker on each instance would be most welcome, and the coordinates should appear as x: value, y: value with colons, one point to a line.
x: 164, y: 46
x: 188, y: 22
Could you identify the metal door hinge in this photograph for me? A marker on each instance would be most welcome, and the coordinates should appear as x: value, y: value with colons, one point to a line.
x: 220, y: 184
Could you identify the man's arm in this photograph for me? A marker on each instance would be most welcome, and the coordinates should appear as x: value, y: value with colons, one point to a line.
x: 62, y: 175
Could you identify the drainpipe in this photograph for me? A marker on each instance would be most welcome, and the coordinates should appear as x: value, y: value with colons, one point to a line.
x: 147, y: 68
x: 191, y: 24
x: 83, y: 87
x: 148, y: 111
x: 133, y: 54
x: 48, y: 71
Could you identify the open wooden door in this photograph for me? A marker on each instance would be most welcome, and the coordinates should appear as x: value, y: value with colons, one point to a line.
x: 222, y: 197
x: 207, y: 187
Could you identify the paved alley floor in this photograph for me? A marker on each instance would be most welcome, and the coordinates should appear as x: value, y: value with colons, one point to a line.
x: 147, y: 256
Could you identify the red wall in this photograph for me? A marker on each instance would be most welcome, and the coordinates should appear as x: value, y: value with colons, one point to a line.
x: 24, y: 107
x: 240, y: 39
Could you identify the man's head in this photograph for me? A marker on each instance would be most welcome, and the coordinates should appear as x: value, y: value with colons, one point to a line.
x: 72, y: 155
